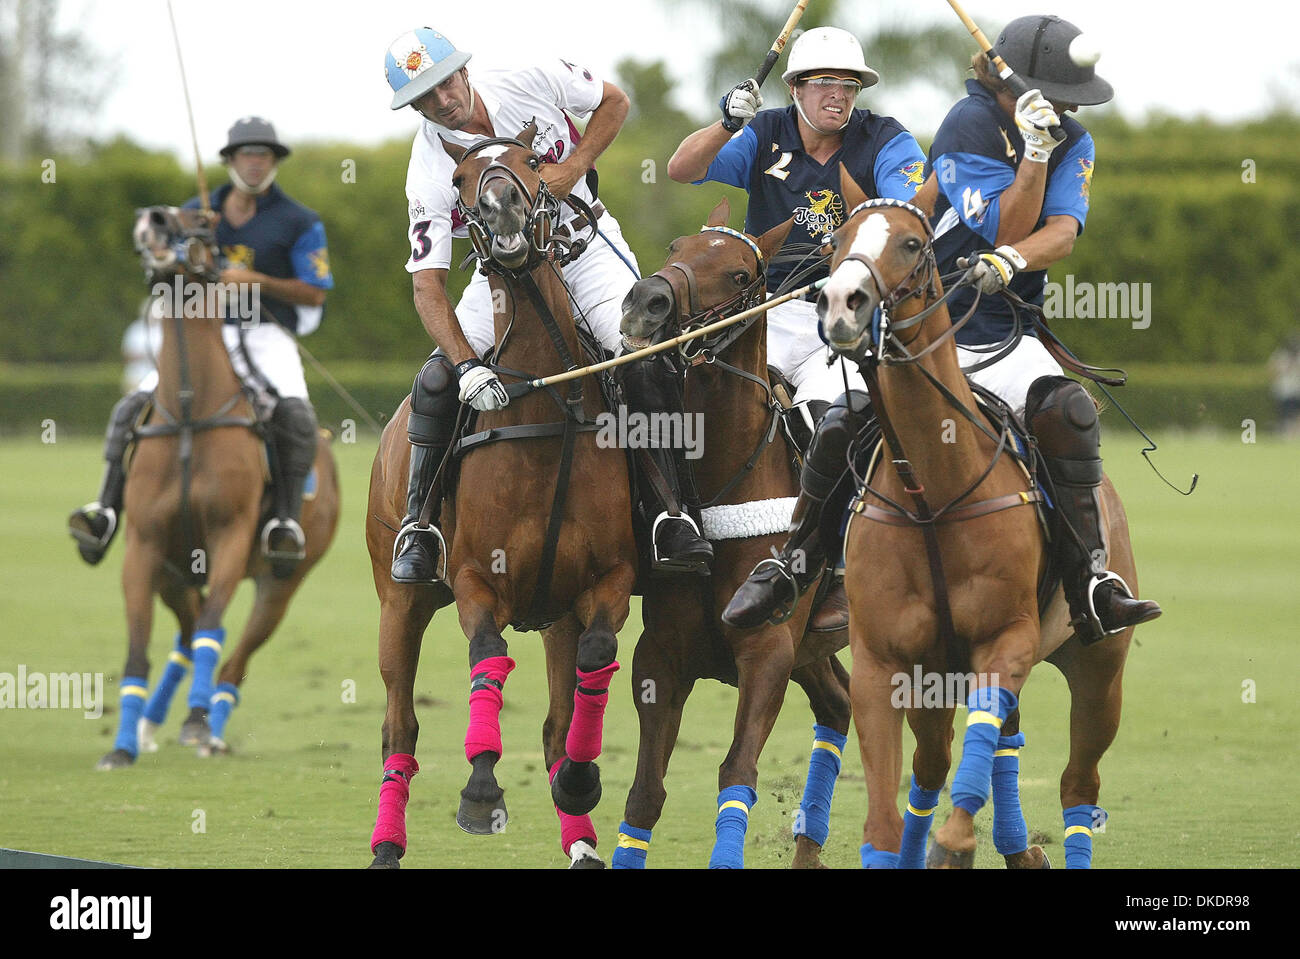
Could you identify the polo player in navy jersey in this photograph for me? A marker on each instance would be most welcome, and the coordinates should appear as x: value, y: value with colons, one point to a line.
x: 276, y: 246
x: 788, y: 160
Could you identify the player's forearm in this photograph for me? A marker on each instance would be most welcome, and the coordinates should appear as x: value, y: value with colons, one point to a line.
x: 1049, y: 245
x: 1021, y: 203
x: 696, y: 152
x: 606, y: 120
x: 439, y: 318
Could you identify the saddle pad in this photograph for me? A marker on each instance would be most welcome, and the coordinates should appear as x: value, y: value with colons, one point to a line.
x: 745, y: 520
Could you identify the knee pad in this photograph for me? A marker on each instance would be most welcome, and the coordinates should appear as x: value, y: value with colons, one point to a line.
x: 123, y: 416
x: 827, y: 453
x: 1063, y: 418
x: 433, y: 403
x: 294, y: 417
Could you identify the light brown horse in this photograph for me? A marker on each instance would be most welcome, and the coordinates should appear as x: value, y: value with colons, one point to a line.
x: 496, y: 522
x: 195, y: 494
x: 992, y: 554
x: 684, y: 639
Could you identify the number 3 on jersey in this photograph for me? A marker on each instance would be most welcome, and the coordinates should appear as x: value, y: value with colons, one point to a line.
x: 420, y: 232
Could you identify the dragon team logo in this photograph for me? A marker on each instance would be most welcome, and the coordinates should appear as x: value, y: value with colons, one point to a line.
x: 238, y: 257
x: 913, y: 172
x: 1085, y: 174
x: 320, y: 263
x: 824, y: 212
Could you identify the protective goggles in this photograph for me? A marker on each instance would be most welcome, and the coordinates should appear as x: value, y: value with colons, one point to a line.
x: 824, y: 84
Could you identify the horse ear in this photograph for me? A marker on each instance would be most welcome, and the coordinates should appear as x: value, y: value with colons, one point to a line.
x: 926, y: 196
x: 772, y: 241
x: 528, y: 134
x: 457, y: 153
x: 849, y: 190
x: 720, y: 214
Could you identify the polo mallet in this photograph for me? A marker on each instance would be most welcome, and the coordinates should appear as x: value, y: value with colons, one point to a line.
x: 779, y: 44
x: 1008, y: 76
x: 194, y: 137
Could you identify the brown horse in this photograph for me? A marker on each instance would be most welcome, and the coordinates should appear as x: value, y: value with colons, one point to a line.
x: 501, y: 520
x: 715, y: 273
x: 196, y: 490
x: 965, y: 491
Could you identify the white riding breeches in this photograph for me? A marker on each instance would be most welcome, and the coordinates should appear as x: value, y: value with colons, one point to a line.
x: 795, y: 349
x: 1010, y: 377
x: 274, y: 353
x: 598, y: 281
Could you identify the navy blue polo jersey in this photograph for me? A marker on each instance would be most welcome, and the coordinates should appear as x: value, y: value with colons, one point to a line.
x: 767, y: 160
x: 284, y: 239
x: 977, y: 151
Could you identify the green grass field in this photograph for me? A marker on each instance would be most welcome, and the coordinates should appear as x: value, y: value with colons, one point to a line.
x: 1196, y: 778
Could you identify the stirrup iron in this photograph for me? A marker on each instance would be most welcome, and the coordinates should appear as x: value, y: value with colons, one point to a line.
x: 414, y: 527
x: 90, y: 539
x: 1091, y: 590
x: 782, y: 613
x: 273, y: 524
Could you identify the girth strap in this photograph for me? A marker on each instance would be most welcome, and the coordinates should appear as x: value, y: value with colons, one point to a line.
x: 969, y: 511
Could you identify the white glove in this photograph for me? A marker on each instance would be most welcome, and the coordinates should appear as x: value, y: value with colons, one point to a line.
x: 1035, y: 117
x: 481, y: 388
x: 739, y: 105
x: 992, y: 270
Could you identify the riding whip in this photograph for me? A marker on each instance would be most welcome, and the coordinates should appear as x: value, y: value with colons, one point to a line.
x: 194, y: 137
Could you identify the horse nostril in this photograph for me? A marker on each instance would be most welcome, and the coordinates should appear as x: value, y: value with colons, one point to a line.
x: 512, y: 195
x: 855, y: 300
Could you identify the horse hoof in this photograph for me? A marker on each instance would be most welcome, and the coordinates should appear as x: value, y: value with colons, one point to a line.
x: 195, y: 731
x: 117, y: 759
x: 1032, y: 858
x: 387, y: 855
x: 583, y: 856
x: 941, y: 857
x: 214, y: 747
x: 144, y: 733
x: 482, y: 817
x: 576, y: 787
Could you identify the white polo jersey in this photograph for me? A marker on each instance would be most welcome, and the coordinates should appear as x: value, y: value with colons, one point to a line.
x: 513, y: 99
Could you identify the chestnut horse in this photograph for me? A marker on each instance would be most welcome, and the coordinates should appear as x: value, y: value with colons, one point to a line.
x: 964, y: 496
x: 195, y: 494
x: 747, y: 480
x: 498, y: 522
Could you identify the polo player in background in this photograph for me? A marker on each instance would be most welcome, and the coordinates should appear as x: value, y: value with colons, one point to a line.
x: 277, y: 247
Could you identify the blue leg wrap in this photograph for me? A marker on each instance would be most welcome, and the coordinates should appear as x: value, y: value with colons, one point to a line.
x: 178, y: 664
x: 1010, y: 834
x: 224, y: 700
x: 921, y: 804
x: 814, y: 816
x: 633, y: 845
x: 206, y: 650
x: 734, y: 804
x: 1079, y: 824
x: 873, y: 858
x: 987, y: 707
x: 133, y: 691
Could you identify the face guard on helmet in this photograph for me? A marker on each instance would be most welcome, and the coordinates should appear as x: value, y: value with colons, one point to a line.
x: 820, y: 51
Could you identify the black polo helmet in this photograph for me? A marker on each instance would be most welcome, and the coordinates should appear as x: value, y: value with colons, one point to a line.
x: 253, y: 131
x: 1038, y: 48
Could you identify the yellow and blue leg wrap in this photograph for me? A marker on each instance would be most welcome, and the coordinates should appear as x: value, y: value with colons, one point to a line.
x: 921, y: 804
x: 205, y: 649
x: 178, y: 664
x: 633, y: 846
x: 873, y: 858
x: 132, y: 691
x: 814, y: 816
x: 734, y: 804
x: 225, y: 699
x: 1080, y: 821
x: 1010, y: 834
x: 987, y: 708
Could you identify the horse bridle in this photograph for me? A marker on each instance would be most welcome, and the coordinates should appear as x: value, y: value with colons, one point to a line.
x: 539, y: 222
x: 185, y: 245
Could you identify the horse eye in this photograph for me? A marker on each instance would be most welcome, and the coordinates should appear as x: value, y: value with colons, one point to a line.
x: 741, y: 278
x: 913, y: 245
x: 456, y: 181
x: 533, y: 163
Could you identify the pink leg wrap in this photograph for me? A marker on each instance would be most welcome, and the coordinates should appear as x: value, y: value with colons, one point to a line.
x: 572, y: 828
x: 390, y: 823
x: 589, y: 699
x: 485, y: 699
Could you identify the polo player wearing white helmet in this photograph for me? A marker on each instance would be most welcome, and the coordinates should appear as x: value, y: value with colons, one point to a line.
x: 428, y: 74
x: 788, y: 160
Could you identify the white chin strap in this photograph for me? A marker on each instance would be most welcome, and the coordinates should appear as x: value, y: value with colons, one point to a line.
x: 848, y: 114
x: 243, y: 187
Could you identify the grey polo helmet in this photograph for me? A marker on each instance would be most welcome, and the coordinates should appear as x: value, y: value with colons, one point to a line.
x: 418, y: 61
x: 1039, y: 49
x: 253, y: 131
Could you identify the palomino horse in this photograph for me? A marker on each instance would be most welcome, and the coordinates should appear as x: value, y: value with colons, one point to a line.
x: 710, y: 275
x: 195, y: 494
x: 568, y: 570
x: 949, y: 586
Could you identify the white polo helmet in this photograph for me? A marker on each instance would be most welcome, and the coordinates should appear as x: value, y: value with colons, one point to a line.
x: 828, y: 48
